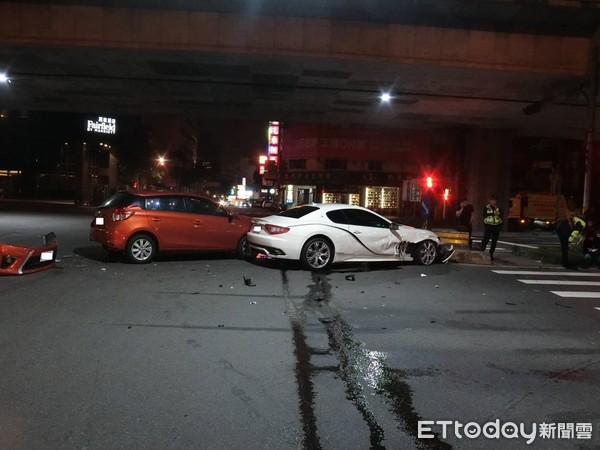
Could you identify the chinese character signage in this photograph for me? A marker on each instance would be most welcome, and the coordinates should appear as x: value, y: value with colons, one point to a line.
x: 273, y: 146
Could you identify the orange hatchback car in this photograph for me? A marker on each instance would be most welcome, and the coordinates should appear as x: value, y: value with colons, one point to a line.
x: 140, y: 224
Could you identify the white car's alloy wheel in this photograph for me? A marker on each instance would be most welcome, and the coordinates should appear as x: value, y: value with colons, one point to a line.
x: 426, y: 252
x: 317, y: 254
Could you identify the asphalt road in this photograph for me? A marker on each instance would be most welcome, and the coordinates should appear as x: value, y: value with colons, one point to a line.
x: 181, y: 353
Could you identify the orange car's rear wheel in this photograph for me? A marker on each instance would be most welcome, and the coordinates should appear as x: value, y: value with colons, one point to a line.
x: 243, y: 249
x: 140, y: 249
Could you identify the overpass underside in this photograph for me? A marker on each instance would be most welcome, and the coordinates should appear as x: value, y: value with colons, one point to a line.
x: 490, y: 84
x: 211, y: 64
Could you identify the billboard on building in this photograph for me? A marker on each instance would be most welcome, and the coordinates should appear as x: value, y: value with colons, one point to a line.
x: 104, y: 125
x: 319, y: 141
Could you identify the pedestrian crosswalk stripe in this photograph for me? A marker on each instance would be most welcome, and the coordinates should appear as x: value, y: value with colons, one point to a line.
x: 562, y: 282
x: 559, y: 282
x: 577, y: 294
x: 542, y: 273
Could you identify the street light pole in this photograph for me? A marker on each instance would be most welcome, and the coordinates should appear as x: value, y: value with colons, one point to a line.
x: 590, y: 134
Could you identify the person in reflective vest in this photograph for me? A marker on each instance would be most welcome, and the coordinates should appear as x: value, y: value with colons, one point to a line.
x: 568, y: 231
x: 590, y: 246
x: 492, y: 221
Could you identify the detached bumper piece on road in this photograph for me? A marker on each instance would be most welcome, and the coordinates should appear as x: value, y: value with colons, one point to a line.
x: 21, y: 260
x: 446, y: 252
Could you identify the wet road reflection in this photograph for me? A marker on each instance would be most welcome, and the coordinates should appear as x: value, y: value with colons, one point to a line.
x: 363, y: 371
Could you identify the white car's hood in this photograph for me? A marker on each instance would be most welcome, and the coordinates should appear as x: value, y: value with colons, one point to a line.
x: 412, y: 234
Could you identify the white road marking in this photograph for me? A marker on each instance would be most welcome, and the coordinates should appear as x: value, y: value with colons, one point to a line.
x: 595, y: 307
x: 518, y: 245
x: 564, y: 294
x: 562, y: 282
x: 541, y: 273
x: 576, y: 294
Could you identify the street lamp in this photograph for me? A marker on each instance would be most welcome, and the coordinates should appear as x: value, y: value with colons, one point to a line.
x: 161, y: 161
x: 4, y: 78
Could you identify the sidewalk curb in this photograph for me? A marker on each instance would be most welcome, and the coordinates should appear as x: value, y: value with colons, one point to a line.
x: 45, y: 206
x: 477, y: 257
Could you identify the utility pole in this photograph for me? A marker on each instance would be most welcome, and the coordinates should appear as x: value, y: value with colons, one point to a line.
x: 590, y: 134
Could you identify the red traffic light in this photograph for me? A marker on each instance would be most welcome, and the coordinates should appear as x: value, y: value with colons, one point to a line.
x: 446, y: 194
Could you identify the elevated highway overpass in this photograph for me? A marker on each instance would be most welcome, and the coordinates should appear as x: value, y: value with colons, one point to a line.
x: 468, y: 63
x: 494, y: 68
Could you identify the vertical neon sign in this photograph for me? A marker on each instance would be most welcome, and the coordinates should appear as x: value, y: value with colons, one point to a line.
x: 274, y: 141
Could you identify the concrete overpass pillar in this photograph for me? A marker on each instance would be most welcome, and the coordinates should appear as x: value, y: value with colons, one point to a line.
x: 82, y: 176
x: 113, y: 174
x: 488, y: 170
x: 590, y: 138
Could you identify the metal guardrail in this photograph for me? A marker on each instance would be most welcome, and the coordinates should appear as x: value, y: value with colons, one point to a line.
x: 457, y: 238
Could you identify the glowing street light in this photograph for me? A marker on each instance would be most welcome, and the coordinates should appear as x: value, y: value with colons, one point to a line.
x: 385, y: 97
x: 4, y: 78
x: 161, y: 160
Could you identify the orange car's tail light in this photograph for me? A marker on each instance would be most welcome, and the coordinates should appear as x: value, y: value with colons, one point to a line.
x: 274, y: 229
x: 121, y: 214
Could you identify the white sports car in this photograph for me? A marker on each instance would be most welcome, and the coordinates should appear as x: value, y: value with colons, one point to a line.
x: 321, y: 234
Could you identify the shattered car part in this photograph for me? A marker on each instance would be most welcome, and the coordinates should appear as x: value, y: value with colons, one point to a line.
x: 21, y: 260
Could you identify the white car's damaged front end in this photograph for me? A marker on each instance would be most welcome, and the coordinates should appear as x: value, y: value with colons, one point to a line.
x: 423, y: 246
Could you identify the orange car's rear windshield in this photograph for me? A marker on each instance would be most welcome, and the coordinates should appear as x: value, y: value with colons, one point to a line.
x: 123, y: 199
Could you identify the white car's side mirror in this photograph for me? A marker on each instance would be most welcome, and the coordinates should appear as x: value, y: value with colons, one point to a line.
x: 394, y: 226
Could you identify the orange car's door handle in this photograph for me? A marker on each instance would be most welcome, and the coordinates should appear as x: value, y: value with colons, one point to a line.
x: 156, y: 219
x: 197, y: 223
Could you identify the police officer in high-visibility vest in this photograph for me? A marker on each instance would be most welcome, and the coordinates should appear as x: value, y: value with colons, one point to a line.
x: 492, y: 221
x: 568, y: 231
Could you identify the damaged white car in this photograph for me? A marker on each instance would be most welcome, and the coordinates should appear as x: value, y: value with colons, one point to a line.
x: 319, y: 235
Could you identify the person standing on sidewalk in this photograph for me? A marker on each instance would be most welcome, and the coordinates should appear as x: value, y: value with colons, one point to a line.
x: 464, y: 216
x: 492, y: 221
x: 426, y: 209
x: 590, y: 246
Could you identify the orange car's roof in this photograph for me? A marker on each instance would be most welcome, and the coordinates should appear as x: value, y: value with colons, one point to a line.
x: 163, y: 193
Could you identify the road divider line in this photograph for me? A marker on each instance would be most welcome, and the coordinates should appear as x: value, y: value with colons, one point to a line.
x: 576, y: 294
x: 541, y: 273
x: 518, y: 245
x: 562, y: 282
x: 595, y: 307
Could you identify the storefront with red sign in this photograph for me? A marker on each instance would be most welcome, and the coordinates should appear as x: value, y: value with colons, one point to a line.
x: 352, y: 165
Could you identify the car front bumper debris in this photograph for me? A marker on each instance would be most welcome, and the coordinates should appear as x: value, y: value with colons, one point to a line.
x: 446, y: 252
x: 21, y: 260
